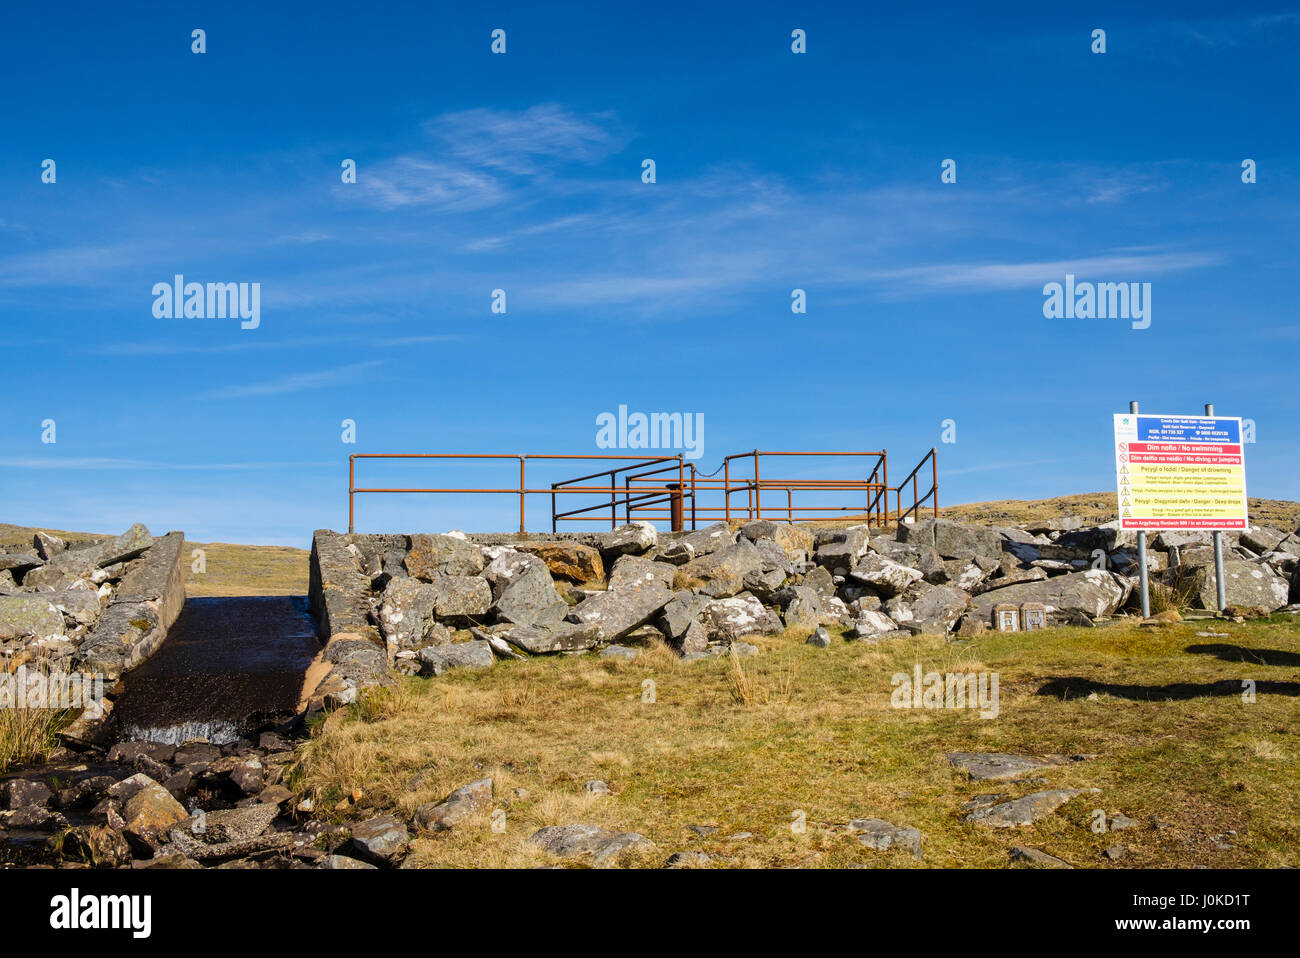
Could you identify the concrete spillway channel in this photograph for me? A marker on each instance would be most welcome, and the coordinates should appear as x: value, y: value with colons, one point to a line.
x: 226, y: 666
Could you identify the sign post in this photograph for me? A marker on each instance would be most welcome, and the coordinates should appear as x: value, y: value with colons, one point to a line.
x: 1178, y: 473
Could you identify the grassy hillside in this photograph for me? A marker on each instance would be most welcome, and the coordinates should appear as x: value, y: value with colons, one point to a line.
x: 1098, y: 507
x: 744, y: 746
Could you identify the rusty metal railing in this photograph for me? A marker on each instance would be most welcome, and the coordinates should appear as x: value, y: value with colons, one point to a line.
x: 670, y: 489
x: 522, y: 490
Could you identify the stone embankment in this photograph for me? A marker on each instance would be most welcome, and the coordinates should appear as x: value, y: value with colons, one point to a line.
x: 427, y: 603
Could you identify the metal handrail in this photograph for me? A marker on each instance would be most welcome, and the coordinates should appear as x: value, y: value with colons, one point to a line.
x: 645, y: 494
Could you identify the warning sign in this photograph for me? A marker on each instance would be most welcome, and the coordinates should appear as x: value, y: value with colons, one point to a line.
x: 1180, y: 472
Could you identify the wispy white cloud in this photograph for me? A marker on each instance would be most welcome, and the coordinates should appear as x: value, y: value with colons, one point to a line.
x: 295, y: 382
x: 513, y: 141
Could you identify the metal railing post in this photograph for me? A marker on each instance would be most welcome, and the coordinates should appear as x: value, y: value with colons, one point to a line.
x: 352, y: 484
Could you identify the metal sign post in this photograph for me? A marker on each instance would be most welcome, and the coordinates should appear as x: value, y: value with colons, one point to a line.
x: 1142, y: 553
x: 1220, y: 587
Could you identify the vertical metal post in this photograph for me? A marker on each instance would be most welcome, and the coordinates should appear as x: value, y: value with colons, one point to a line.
x: 757, y: 512
x: 522, y: 486
x: 675, y: 506
x: 1220, y: 586
x: 352, y: 482
x: 1142, y: 553
x: 934, y: 466
x: 726, y: 489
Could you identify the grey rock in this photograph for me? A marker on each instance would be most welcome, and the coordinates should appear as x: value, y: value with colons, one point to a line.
x: 937, y: 611
x: 460, y: 597
x: 600, y: 846
x: 724, y: 569
x: 555, y: 637
x: 630, y: 571
x: 882, y: 835
x: 726, y: 620
x: 382, y: 839
x: 466, y: 801
x: 125, y: 547
x: 48, y: 546
x: 1094, y: 593
x: 995, y: 766
x: 683, y: 609
x: 29, y: 615
x: 953, y: 540
x: 1248, y: 585
x: 523, y: 590
x: 433, y: 555
x: 621, y: 652
x: 342, y: 862
x: 635, y: 538
x: 596, y: 787
x: 1025, y: 810
x: 885, y: 576
x: 615, y: 614
x: 1033, y: 856
x: 474, y: 654
x: 406, y: 614
x: 820, y: 638
x: 20, y: 793
x: 870, y: 624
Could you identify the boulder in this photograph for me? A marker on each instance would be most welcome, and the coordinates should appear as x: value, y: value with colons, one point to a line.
x: 882, y: 835
x: 474, y: 654
x: 466, y: 801
x: 123, y: 548
x: 726, y: 620
x: 631, y: 570
x: 523, y: 591
x: 1093, y: 594
x: 462, y: 596
x: 885, y: 576
x: 1247, y: 585
x: 679, y: 613
x: 723, y: 570
x: 598, y: 845
x: 567, y: 559
x: 795, y: 541
x: 20, y: 793
x: 150, y: 810
x: 615, y: 614
x: 434, y: 555
x: 804, y: 610
x: 839, y: 555
x: 29, y: 615
x: 47, y: 546
x: 636, y: 538
x: 937, y: 611
x: 553, y: 637
x: 19, y: 561
x: 406, y: 613
x: 1026, y: 810
x: 381, y: 840
x: 869, y: 624
x: 953, y: 540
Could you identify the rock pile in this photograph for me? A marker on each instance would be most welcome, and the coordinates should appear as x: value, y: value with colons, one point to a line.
x: 99, y: 606
x: 426, y: 603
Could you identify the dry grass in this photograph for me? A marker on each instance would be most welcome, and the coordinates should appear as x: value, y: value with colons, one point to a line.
x: 246, y: 570
x: 27, y: 735
x: 742, y: 744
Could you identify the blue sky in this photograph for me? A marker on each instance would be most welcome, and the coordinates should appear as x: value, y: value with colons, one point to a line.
x: 522, y: 172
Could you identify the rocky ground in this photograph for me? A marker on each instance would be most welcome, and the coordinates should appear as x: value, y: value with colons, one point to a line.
x: 393, y: 608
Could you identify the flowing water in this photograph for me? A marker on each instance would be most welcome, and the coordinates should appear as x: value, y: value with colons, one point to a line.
x: 227, y: 665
